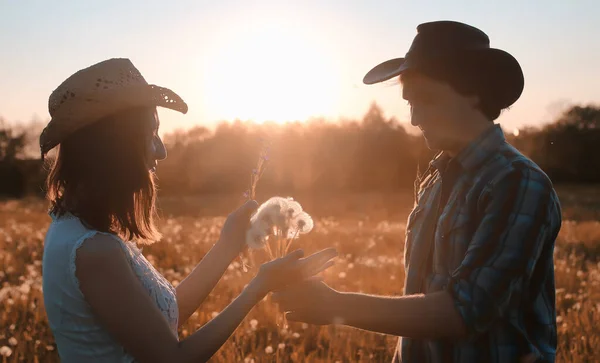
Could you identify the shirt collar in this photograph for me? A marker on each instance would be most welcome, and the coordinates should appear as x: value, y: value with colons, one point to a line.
x: 475, y: 153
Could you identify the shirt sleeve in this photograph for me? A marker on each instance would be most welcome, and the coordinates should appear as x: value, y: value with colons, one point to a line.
x: 507, y: 243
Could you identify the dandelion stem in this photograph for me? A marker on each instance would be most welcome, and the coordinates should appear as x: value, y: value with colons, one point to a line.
x: 289, y: 242
x: 280, y: 242
x: 268, y: 248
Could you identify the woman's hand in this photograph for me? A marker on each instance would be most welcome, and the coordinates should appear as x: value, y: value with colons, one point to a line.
x: 233, y: 233
x: 293, y: 268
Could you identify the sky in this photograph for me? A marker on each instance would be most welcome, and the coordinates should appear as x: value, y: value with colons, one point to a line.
x: 286, y: 60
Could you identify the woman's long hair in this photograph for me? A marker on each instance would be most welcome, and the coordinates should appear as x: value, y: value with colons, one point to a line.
x: 101, y: 176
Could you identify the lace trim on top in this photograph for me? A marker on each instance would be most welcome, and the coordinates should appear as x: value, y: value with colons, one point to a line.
x: 159, y: 289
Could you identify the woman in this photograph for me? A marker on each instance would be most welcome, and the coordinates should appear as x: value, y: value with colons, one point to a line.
x: 105, y: 302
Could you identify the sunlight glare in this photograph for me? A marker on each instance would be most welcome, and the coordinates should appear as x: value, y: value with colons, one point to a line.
x: 271, y: 74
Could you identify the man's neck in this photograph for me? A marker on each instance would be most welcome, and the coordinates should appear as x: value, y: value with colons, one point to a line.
x: 470, y: 134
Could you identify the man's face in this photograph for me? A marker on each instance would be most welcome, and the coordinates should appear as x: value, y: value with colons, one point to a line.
x: 438, y: 110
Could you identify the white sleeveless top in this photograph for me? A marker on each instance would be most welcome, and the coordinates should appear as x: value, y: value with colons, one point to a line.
x: 79, y: 337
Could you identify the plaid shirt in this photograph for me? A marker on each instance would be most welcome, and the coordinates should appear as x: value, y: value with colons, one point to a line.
x: 491, y: 247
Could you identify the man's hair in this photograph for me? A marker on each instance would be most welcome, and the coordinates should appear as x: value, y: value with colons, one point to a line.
x: 101, y: 176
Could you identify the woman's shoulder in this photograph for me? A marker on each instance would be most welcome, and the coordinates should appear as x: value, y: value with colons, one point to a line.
x: 68, y: 233
x: 68, y: 226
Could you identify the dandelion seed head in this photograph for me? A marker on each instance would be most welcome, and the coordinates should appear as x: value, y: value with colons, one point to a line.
x: 303, y: 222
x: 269, y: 350
x: 281, y: 346
x: 256, y: 236
x: 270, y: 213
x: 5, y: 351
x: 292, y: 208
x: 278, y: 217
x: 13, y: 341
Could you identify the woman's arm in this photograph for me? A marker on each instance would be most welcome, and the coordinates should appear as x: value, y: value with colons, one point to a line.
x: 194, y: 289
x: 124, y: 308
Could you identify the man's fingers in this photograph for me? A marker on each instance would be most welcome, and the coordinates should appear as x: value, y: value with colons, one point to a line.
x: 293, y: 316
x: 286, y: 298
x: 315, y: 279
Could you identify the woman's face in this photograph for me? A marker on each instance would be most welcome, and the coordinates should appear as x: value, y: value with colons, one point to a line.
x: 156, y: 148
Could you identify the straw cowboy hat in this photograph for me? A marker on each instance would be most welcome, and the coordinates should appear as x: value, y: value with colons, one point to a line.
x: 98, y: 91
x: 441, y: 45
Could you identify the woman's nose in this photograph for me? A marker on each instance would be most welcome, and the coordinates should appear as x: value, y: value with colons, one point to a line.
x: 160, y: 151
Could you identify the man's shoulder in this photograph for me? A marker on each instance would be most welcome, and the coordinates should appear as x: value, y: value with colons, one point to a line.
x: 510, y: 161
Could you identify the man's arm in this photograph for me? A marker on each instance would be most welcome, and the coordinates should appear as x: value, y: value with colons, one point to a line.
x: 500, y: 257
x: 418, y: 316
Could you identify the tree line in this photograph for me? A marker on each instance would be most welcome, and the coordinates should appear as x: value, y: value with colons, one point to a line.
x: 374, y: 153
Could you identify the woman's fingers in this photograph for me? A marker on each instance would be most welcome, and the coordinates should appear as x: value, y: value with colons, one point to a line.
x: 246, y: 210
x: 322, y: 268
x: 321, y: 256
x: 314, y: 263
x: 293, y: 257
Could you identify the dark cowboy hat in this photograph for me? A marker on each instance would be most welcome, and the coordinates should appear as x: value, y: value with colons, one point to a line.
x: 445, y: 44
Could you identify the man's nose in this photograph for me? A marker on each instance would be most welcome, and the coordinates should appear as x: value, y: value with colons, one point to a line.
x: 415, y: 121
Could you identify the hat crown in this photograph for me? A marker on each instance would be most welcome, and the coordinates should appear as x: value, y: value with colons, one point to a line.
x: 104, y: 76
x: 447, y: 37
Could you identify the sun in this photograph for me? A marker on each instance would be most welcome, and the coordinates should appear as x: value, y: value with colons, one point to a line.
x: 272, y: 73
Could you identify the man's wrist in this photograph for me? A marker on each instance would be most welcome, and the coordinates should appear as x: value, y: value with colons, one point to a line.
x: 340, y: 312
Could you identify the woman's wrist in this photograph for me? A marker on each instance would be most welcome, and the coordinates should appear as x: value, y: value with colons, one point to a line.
x: 256, y: 289
x: 228, y: 248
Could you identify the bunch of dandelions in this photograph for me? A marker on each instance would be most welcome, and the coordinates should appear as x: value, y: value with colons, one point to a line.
x: 276, y: 224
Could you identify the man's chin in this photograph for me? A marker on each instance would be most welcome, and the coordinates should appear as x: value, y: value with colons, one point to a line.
x: 432, y: 144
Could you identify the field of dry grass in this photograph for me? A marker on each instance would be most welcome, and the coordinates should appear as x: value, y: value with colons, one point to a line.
x: 367, y: 230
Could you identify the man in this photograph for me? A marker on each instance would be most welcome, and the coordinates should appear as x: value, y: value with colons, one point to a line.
x: 479, y: 242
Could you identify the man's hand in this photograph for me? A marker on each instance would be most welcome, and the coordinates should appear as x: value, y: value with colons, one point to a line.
x: 310, y: 301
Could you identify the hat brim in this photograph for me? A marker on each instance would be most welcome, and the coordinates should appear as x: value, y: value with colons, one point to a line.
x: 87, y: 109
x: 386, y: 70
x: 503, y: 70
